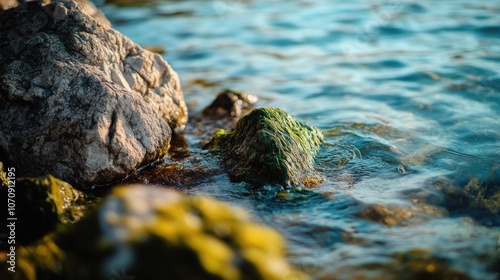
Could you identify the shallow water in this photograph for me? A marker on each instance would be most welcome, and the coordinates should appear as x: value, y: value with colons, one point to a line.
x: 408, y: 95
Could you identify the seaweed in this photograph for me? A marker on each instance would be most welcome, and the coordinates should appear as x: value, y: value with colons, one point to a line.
x: 269, y: 146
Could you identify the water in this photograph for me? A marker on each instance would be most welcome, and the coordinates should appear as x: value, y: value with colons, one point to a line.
x: 408, y: 95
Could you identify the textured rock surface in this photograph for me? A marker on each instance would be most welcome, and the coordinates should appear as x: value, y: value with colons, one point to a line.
x: 269, y: 146
x: 152, y: 233
x: 87, y: 6
x: 78, y: 100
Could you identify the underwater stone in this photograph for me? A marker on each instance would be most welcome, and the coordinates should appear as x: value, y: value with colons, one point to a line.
x: 414, y: 264
x: 147, y: 232
x: 66, y: 107
x: 269, y: 146
x: 229, y: 103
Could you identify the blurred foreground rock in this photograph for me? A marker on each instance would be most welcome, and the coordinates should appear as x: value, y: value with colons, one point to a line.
x: 41, y: 205
x: 3, y: 176
x: 79, y: 100
x: 152, y: 233
x: 269, y: 146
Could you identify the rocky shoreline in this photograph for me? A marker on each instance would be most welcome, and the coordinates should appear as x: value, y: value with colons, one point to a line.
x: 85, y: 114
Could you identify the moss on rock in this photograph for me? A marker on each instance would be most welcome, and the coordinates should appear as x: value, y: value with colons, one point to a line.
x: 40, y: 261
x: 269, y: 146
x: 152, y: 233
x: 43, y: 203
x: 3, y: 176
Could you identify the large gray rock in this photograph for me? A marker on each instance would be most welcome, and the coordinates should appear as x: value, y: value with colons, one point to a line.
x: 87, y: 6
x: 79, y: 100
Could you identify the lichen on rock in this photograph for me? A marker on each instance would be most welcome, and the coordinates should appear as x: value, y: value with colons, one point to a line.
x: 269, y: 146
x: 152, y: 233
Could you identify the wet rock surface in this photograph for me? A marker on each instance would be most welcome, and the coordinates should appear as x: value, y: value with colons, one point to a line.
x: 412, y: 265
x: 181, y: 174
x: 146, y: 232
x: 41, y: 205
x: 188, y: 165
x: 391, y: 215
x: 229, y: 103
x: 268, y: 146
x: 278, y: 147
x: 93, y: 106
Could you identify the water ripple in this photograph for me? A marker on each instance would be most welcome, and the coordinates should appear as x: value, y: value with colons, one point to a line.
x: 408, y: 96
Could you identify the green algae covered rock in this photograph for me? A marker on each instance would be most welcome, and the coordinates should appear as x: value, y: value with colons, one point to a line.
x: 153, y: 233
x: 269, y: 146
x: 42, y: 204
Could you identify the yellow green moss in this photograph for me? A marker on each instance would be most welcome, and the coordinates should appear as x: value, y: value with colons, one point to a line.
x: 40, y: 261
x: 3, y: 176
x: 43, y: 203
x: 165, y: 233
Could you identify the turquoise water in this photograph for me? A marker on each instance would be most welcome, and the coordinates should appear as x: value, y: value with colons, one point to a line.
x: 408, y: 95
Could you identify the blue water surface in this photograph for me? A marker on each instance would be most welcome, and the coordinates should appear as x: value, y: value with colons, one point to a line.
x: 407, y: 93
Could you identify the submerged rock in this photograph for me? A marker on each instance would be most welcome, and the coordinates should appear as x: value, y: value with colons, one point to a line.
x: 414, y: 264
x: 223, y: 113
x: 41, y: 204
x: 181, y: 174
x: 151, y: 233
x: 229, y: 103
x: 391, y: 215
x: 78, y: 100
x: 421, y: 264
x: 269, y: 146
